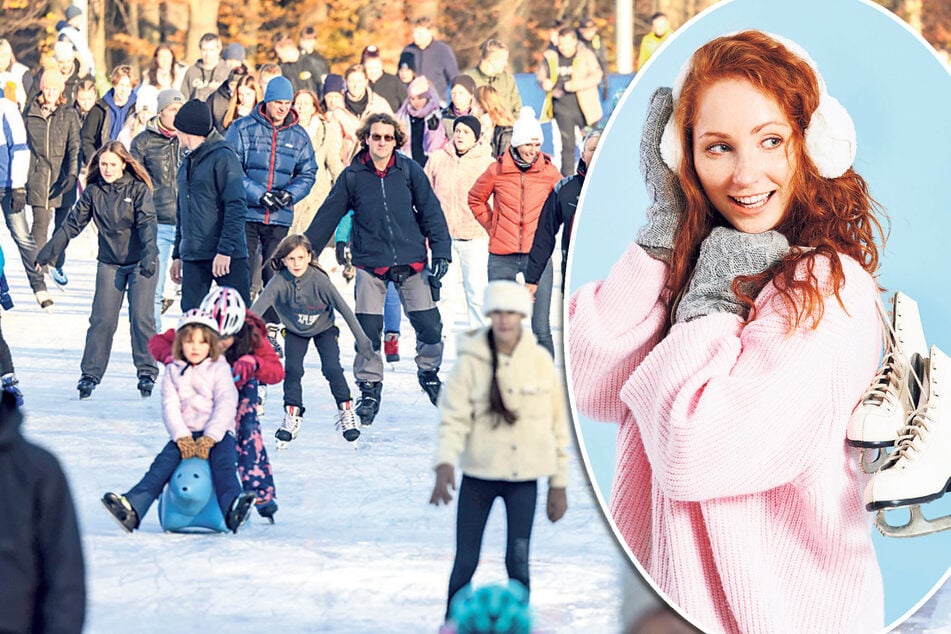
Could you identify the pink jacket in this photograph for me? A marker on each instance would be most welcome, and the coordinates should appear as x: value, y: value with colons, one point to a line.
x: 452, y: 177
x: 734, y: 487
x: 199, y: 398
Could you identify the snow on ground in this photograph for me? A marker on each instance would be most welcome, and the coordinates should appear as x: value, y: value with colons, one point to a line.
x: 356, y: 547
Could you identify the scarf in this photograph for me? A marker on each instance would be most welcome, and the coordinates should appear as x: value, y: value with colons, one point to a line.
x: 521, y: 163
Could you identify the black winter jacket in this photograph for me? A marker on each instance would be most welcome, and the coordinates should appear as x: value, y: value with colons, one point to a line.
x: 211, y: 206
x: 161, y: 156
x: 41, y: 558
x: 97, y: 127
x: 54, y: 155
x: 393, y: 216
x: 218, y: 103
x: 124, y: 216
x: 558, y: 211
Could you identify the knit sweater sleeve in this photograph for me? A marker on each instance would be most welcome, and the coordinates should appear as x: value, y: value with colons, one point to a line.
x: 225, y: 401
x: 726, y: 409
x: 612, y: 325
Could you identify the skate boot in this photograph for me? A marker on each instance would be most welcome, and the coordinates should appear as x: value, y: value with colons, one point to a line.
x: 293, y: 419
x: 917, y: 471
x: 9, y: 383
x: 429, y: 381
x: 267, y: 510
x: 121, y: 511
x: 166, y: 304
x: 146, y: 383
x: 369, y: 402
x: 273, y: 330
x: 44, y: 300
x: 391, y: 346
x: 85, y: 386
x: 894, y: 392
x: 240, y: 511
x: 262, y: 399
x: 347, y: 422
x: 59, y: 276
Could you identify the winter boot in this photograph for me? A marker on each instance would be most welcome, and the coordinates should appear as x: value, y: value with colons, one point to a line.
x: 9, y: 383
x: 273, y: 330
x: 59, y: 276
x: 146, y: 383
x: 85, y: 386
x: 391, y: 346
x: 267, y: 510
x: 369, y: 402
x: 429, y: 381
x: 121, y: 511
x: 240, y: 510
x: 44, y: 300
x: 347, y: 421
x: 293, y: 419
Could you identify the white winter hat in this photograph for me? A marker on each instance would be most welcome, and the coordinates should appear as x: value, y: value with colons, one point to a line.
x: 505, y: 295
x: 146, y: 99
x: 527, y: 129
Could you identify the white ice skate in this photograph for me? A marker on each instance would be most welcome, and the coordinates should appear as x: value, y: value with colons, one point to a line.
x: 347, y: 422
x: 917, y: 470
x: 293, y: 421
x: 893, y: 395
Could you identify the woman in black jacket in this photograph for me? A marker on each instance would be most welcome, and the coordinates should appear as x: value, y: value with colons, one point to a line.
x: 118, y: 198
x: 52, y: 133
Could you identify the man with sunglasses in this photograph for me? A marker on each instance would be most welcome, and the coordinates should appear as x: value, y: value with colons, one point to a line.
x: 395, y: 215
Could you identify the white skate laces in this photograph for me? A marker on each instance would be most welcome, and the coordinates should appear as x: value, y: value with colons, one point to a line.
x: 917, y: 470
x: 347, y: 422
x: 293, y: 421
x: 881, y: 415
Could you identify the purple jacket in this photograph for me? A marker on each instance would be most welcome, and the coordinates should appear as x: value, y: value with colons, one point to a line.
x: 199, y: 398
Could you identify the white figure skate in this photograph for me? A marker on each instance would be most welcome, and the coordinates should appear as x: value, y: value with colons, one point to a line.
x: 347, y: 422
x: 293, y: 421
x: 894, y: 392
x: 918, y: 470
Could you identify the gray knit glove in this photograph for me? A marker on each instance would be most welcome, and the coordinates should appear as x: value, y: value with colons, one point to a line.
x: 663, y: 216
x: 725, y: 254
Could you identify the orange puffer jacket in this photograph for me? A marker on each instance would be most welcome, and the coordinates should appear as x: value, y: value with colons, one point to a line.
x: 512, y: 217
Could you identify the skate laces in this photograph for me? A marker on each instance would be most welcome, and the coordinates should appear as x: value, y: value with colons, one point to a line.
x: 895, y: 367
x: 913, y: 437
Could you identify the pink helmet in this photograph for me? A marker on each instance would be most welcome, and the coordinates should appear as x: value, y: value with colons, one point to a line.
x: 227, y: 308
x: 197, y: 316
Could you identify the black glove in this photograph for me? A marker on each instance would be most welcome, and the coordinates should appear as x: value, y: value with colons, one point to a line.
x: 69, y: 185
x: 432, y: 123
x: 269, y: 201
x: 440, y: 268
x: 147, y: 266
x: 18, y: 201
x: 341, y: 252
x: 283, y: 198
x: 6, y: 301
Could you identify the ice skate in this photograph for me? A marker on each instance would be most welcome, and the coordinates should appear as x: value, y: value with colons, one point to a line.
x: 262, y: 399
x: 121, y: 511
x: 85, y: 386
x: 9, y: 383
x: 267, y: 510
x: 273, y: 330
x: 894, y: 392
x: 429, y: 381
x: 293, y: 420
x: 58, y: 275
x: 166, y: 304
x: 347, y: 422
x: 368, y: 405
x: 917, y: 471
x: 145, y: 386
x: 240, y: 511
x: 391, y: 346
x: 44, y: 300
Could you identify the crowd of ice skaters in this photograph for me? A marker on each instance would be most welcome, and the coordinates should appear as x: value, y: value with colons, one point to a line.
x: 219, y: 185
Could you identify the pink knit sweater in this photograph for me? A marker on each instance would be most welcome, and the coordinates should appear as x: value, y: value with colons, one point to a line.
x: 734, y: 487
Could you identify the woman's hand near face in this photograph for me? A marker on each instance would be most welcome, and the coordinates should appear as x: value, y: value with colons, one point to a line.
x: 663, y: 215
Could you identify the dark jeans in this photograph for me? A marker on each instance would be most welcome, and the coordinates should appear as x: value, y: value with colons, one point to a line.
x: 506, y: 267
x: 295, y: 348
x: 6, y: 360
x: 268, y: 236
x: 475, y: 501
x: 197, y: 279
x: 14, y: 215
x: 568, y: 115
x: 113, y: 283
x: 222, y: 460
x: 41, y: 228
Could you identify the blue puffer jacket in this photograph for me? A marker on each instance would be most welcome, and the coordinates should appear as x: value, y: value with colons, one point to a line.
x: 272, y: 158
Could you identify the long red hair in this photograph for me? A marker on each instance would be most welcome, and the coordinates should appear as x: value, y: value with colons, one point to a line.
x: 825, y: 216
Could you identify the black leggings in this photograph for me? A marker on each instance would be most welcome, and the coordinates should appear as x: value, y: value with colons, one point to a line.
x: 295, y: 347
x: 475, y: 500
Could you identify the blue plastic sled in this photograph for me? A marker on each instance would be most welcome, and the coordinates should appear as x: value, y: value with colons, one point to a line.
x: 188, y: 503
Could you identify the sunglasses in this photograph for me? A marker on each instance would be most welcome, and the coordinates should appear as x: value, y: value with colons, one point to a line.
x: 382, y: 137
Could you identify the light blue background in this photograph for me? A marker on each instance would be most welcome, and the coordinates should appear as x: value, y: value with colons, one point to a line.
x: 899, y: 96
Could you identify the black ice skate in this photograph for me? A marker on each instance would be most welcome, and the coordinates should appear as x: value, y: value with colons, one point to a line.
x: 85, y: 386
x: 121, y: 511
x: 268, y: 510
x: 273, y: 330
x: 146, y: 383
x: 369, y: 402
x: 429, y: 381
x: 240, y: 510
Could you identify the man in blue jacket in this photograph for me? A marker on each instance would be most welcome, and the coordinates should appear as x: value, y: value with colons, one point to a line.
x: 395, y: 214
x: 209, y: 233
x: 277, y: 157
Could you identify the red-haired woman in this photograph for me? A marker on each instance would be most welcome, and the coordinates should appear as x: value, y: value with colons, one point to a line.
x: 733, y: 340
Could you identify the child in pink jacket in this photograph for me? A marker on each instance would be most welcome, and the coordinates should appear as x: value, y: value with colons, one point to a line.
x: 199, y: 399
x: 732, y: 360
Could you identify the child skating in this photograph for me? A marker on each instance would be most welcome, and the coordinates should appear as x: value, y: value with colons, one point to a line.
x: 198, y: 404
x: 305, y: 299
